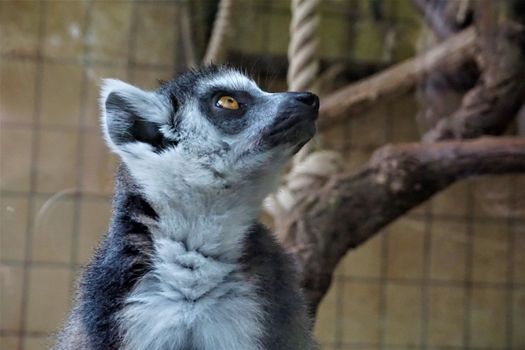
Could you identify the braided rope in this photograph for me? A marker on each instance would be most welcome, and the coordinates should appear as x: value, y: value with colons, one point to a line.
x: 310, y: 169
x: 303, y: 64
x: 311, y: 172
x: 303, y: 68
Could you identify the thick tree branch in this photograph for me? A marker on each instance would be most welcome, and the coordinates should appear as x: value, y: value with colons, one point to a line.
x: 440, y: 92
x: 398, y: 79
x: 350, y: 209
x: 493, y: 103
x: 341, y: 213
x: 444, y: 17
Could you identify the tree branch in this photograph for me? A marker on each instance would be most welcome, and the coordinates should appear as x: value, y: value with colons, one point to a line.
x: 341, y: 213
x: 440, y: 93
x: 444, y: 17
x: 397, y: 80
x: 350, y: 209
x: 218, y: 44
x: 493, y: 103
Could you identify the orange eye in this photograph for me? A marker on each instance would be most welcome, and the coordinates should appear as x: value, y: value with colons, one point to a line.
x: 227, y: 102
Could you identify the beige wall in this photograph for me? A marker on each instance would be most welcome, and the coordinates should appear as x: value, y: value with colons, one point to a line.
x: 449, y: 275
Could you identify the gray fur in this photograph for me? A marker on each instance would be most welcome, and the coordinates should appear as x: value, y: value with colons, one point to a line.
x: 185, y: 265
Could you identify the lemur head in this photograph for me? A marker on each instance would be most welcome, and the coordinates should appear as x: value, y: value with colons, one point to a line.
x: 210, y: 129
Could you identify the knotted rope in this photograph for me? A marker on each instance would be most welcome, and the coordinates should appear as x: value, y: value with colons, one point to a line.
x: 309, y: 170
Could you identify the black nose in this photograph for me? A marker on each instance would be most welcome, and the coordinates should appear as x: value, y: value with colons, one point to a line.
x: 307, y: 98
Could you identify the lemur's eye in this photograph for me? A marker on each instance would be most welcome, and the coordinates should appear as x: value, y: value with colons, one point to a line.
x: 227, y: 102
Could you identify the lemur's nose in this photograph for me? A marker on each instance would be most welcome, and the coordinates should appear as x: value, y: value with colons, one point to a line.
x: 307, y: 98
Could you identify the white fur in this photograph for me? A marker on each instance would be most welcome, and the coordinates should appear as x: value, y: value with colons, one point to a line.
x: 233, y: 80
x: 198, y: 239
x: 161, y: 309
x: 211, y: 301
x: 195, y: 286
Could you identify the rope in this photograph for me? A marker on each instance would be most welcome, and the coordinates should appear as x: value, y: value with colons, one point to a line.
x: 218, y: 45
x: 303, y: 64
x: 311, y: 172
x: 309, y: 169
x: 303, y: 68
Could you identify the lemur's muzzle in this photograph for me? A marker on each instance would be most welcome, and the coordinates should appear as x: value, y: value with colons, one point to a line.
x: 295, y: 120
x: 306, y: 100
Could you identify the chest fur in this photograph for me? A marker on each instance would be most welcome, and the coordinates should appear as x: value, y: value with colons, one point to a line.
x: 191, y: 301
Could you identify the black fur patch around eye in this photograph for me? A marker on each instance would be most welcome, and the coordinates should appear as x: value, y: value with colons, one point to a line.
x: 226, y: 120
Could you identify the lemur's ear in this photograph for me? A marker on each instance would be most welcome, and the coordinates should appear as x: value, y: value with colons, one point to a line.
x: 131, y: 115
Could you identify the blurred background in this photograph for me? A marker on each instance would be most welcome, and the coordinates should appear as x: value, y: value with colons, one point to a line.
x: 449, y: 275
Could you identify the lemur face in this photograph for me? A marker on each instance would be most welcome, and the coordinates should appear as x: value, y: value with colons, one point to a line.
x: 208, y: 127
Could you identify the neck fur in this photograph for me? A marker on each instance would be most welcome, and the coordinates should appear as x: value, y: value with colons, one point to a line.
x: 212, y: 221
x: 195, y: 277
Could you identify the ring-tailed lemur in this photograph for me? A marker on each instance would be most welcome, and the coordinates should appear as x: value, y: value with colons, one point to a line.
x: 185, y: 263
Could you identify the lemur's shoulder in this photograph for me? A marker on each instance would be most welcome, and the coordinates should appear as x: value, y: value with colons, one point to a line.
x: 273, y: 267
x: 274, y: 271
x: 122, y: 257
x: 263, y: 250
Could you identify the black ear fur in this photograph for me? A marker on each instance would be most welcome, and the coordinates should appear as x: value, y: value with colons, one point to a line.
x: 126, y: 125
